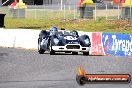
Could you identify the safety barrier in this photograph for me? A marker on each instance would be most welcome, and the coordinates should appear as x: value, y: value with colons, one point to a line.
x: 117, y: 44
x: 102, y: 43
x: 111, y: 44
x: 23, y: 38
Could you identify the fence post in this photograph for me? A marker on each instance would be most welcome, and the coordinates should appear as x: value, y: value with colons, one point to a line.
x: 43, y: 10
x: 64, y: 12
x: 25, y: 12
x: 18, y: 13
x: 35, y: 12
x: 61, y: 5
x: 130, y: 11
x: 95, y: 13
x: 118, y: 12
x: 106, y: 12
x: 69, y: 7
x: 74, y: 12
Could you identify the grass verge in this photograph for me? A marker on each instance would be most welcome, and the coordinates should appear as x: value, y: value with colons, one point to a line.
x: 99, y: 25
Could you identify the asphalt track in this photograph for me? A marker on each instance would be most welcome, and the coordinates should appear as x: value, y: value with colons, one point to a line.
x: 20, y: 68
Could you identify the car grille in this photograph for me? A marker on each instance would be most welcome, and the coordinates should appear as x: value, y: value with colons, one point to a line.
x: 73, y: 47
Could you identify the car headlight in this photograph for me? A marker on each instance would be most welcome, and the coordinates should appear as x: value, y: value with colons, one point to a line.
x: 87, y: 41
x: 56, y: 41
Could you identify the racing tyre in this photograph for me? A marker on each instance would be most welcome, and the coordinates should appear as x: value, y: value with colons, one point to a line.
x: 81, y: 80
x: 52, y: 52
x: 74, y: 53
x: 67, y: 52
x: 40, y: 50
x: 86, y: 53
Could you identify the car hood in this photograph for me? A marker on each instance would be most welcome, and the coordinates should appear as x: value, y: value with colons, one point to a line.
x: 70, y: 39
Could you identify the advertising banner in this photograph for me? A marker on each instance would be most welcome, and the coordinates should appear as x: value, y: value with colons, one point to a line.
x: 117, y: 44
x: 97, y: 47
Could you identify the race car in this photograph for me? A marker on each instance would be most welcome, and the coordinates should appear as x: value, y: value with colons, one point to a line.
x: 56, y: 40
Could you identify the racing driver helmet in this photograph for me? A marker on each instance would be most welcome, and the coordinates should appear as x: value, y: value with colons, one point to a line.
x: 54, y: 29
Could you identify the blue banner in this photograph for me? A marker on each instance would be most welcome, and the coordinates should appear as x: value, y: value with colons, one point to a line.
x: 117, y: 44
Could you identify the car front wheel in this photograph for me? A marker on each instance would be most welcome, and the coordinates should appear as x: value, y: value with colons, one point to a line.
x: 86, y: 53
x: 52, y: 52
x: 40, y: 50
x: 74, y: 53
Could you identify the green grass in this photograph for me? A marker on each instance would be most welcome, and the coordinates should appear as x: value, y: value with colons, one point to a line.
x: 99, y: 25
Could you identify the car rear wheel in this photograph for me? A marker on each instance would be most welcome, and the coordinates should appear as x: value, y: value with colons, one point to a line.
x: 74, y: 53
x: 86, y: 53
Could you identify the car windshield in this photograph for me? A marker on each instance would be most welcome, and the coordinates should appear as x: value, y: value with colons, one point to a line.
x: 69, y: 34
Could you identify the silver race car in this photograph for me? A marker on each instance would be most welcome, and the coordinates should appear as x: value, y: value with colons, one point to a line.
x: 62, y: 41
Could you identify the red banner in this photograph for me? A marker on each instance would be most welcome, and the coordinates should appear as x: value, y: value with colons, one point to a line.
x: 97, y: 48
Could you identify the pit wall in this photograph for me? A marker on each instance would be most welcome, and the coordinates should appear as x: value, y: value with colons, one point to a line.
x: 102, y: 43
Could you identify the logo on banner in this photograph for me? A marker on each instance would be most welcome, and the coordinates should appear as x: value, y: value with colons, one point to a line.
x: 106, y: 43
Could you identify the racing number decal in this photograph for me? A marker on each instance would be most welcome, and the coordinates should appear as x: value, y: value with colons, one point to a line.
x: 70, y: 38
